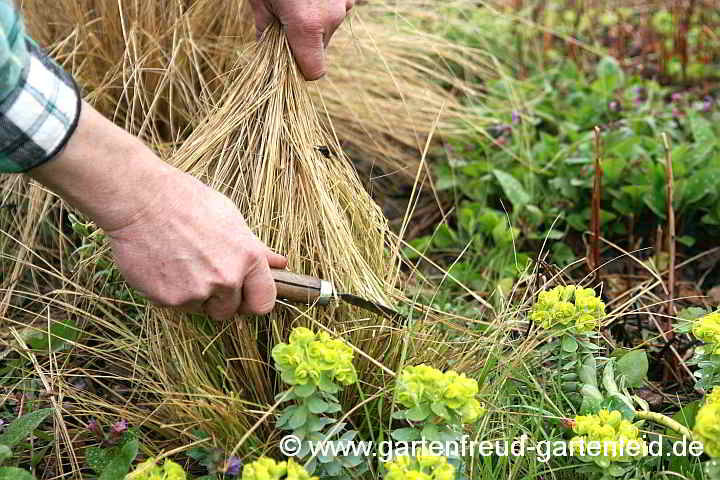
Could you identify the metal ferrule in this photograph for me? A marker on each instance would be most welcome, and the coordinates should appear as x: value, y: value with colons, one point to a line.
x: 326, y: 292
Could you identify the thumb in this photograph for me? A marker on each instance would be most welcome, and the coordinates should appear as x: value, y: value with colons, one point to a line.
x: 308, y: 48
x: 276, y: 260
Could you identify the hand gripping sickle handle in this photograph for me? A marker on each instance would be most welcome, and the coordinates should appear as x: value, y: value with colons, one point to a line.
x: 311, y: 290
x: 302, y: 288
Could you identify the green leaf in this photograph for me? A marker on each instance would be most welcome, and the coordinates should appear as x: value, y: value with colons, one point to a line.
x: 633, y: 366
x: 592, y: 399
x: 315, y: 424
x: 686, y: 415
x: 619, y: 403
x: 5, y: 453
x: 405, y: 434
x: 298, y: 418
x: 333, y: 407
x: 432, y: 433
x: 444, y: 237
x: 439, y: 409
x: 12, y: 473
x: 284, y: 417
x: 705, y: 138
x: 610, y: 75
x: 686, y: 240
x: 467, y: 216
x: 616, y: 470
x: 608, y: 378
x: 569, y: 344
x: 420, y: 246
x: 317, y: 405
x: 97, y: 458
x: 512, y: 188
x: 399, y: 415
x: 22, y: 427
x: 119, y: 464
x: 197, y: 453
x: 417, y: 414
x: 304, y: 391
x: 62, y: 334
x: 587, y: 371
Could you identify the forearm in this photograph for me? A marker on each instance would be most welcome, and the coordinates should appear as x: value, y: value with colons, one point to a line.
x: 104, y: 172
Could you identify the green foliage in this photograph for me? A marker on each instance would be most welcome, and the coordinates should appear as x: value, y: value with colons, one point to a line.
x: 268, y: 469
x: 619, y: 440
x: 312, y: 363
x: 632, y: 368
x: 707, y: 428
x: 62, y: 334
x: 569, y: 308
x: 537, y: 163
x: 119, y: 460
x: 436, y: 397
x: 150, y: 470
x: 23, y: 427
x: 14, y: 473
x: 706, y: 327
x: 114, y: 457
x: 421, y: 467
x: 15, y: 433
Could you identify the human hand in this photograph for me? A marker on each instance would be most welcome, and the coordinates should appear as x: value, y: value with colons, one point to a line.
x: 173, y: 238
x: 309, y: 25
x: 190, y: 248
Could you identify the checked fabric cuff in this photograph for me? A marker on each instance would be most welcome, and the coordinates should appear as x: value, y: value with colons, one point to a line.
x: 38, y: 117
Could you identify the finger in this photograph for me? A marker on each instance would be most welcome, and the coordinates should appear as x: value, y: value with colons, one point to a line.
x: 306, y: 43
x: 258, y: 290
x: 263, y: 17
x: 223, y: 304
x: 349, y: 4
x: 275, y: 260
x: 336, y: 19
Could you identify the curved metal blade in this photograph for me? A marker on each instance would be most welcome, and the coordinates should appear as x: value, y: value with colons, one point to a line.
x: 370, y: 306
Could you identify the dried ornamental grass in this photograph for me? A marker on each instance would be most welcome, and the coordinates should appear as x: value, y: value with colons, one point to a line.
x: 153, y: 67
x: 260, y: 147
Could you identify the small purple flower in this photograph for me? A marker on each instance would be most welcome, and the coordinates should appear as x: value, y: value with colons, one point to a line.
x: 614, y: 106
x: 233, y: 466
x: 117, y: 432
x: 641, y: 95
x: 119, y: 427
x: 94, y: 427
x: 676, y: 97
x: 707, y: 104
x: 515, y: 117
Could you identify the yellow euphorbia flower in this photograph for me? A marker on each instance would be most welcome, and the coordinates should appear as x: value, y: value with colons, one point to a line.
x: 618, y: 440
x: 707, y: 329
x: 427, y: 387
x: 568, y: 307
x: 707, y: 426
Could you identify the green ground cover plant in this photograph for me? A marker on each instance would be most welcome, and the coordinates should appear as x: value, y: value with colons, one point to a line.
x: 543, y: 364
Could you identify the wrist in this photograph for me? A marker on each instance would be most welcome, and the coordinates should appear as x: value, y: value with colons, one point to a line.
x: 105, y: 172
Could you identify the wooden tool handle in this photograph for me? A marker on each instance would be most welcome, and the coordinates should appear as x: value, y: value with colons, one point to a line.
x: 301, y: 288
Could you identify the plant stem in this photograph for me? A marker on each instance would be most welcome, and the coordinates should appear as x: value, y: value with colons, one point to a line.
x: 671, y: 227
x: 667, y: 422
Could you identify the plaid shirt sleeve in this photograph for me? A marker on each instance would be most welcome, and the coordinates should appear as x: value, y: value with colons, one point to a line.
x: 39, y: 101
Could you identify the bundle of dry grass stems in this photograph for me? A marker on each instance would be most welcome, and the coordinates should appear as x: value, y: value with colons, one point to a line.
x: 195, y: 86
